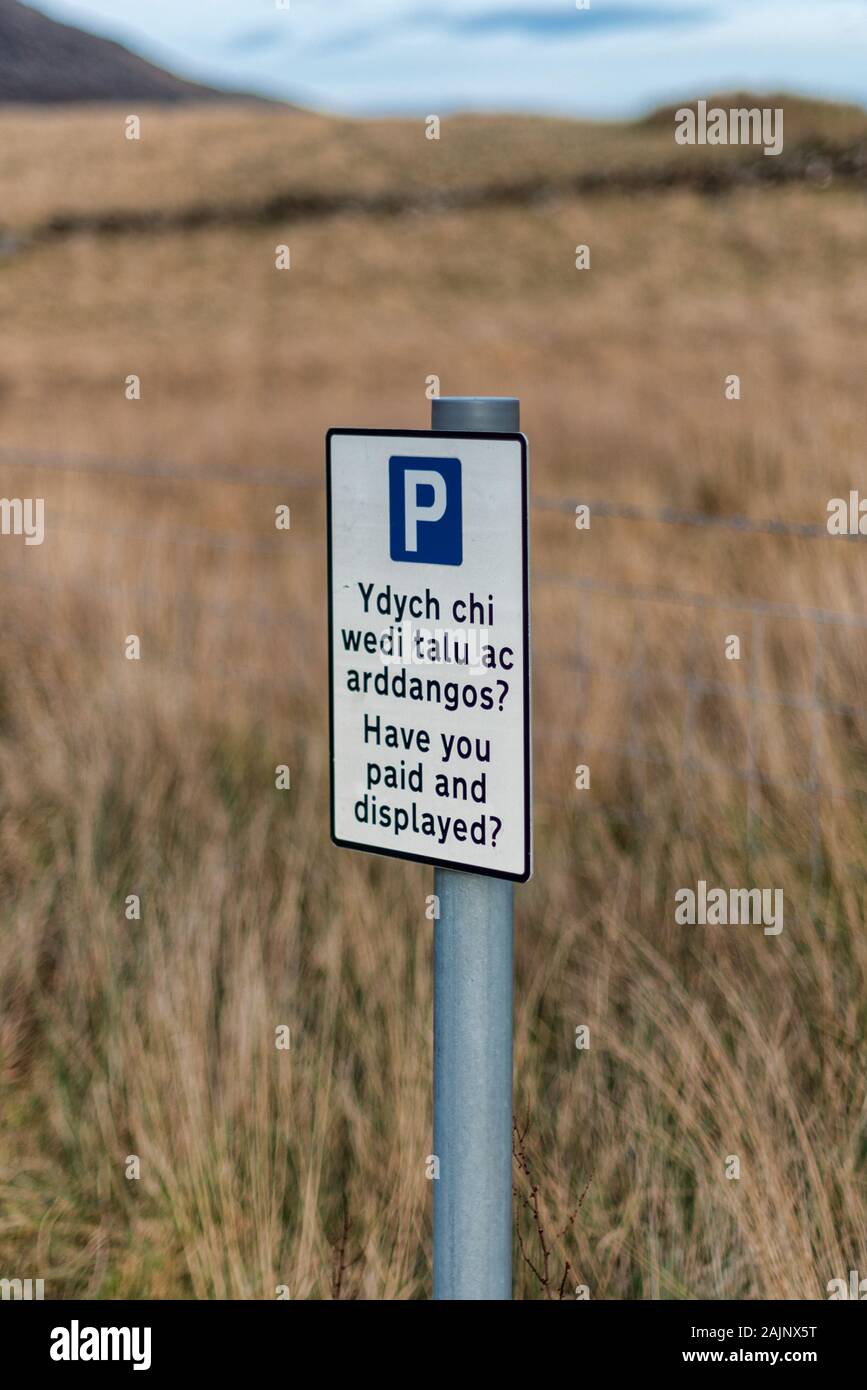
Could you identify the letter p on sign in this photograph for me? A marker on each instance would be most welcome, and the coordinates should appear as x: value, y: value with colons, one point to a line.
x: 425, y: 522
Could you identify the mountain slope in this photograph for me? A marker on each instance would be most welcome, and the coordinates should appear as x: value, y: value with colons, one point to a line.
x: 44, y: 61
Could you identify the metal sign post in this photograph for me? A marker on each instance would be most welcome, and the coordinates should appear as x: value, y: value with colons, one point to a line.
x: 472, y: 1200
x: 429, y: 711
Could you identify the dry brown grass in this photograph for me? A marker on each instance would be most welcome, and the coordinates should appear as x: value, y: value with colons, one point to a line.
x: 157, y: 1038
x: 81, y: 162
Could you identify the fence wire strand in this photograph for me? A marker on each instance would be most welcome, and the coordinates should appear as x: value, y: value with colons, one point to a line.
x: 635, y: 676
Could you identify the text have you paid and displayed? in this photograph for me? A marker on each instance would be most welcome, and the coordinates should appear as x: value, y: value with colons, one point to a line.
x: 452, y: 750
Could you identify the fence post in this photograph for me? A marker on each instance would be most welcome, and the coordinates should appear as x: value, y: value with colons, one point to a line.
x: 473, y: 936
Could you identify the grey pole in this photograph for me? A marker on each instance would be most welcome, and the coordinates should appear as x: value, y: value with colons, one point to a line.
x: 472, y: 1198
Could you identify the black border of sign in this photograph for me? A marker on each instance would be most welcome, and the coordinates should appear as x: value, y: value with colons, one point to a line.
x: 525, y: 561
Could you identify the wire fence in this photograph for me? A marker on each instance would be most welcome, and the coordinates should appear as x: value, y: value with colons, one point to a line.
x: 158, y: 470
x: 686, y: 766
x: 634, y: 676
x: 154, y: 470
x: 675, y: 516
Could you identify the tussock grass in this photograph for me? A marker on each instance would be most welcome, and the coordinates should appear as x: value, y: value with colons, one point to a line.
x: 156, y: 1038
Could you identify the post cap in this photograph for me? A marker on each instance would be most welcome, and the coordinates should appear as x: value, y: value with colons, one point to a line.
x: 485, y: 414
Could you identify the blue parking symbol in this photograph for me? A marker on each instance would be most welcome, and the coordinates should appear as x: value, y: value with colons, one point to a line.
x: 425, y: 511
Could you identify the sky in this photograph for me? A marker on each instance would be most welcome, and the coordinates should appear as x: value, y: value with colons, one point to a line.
x: 422, y: 57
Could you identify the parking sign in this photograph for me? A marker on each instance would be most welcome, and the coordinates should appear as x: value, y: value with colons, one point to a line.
x: 429, y: 647
x: 422, y: 530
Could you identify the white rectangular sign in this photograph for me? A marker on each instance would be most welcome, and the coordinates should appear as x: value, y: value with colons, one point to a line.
x: 429, y: 650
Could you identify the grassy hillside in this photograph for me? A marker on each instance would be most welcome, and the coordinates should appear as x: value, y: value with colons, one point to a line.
x: 156, y: 1037
x: 226, y: 156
